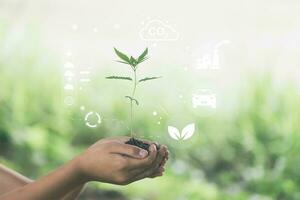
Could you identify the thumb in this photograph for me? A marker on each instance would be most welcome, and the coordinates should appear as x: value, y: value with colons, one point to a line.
x: 130, y: 151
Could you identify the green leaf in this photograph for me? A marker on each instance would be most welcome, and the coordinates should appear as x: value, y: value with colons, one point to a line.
x: 133, y: 61
x: 149, y: 78
x: 119, y: 77
x: 123, y: 62
x: 142, y: 56
x: 143, y: 60
x: 132, y: 99
x: 122, y: 55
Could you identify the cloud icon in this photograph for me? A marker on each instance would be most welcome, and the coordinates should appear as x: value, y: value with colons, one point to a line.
x: 157, y: 30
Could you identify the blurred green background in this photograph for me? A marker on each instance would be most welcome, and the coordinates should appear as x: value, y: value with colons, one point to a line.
x: 247, y: 148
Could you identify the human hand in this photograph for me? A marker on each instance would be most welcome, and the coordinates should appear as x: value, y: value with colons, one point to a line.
x: 111, y: 160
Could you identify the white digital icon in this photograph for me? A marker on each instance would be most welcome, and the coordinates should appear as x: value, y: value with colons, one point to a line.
x: 211, y: 60
x: 68, y: 74
x: 92, y: 123
x: 186, y: 133
x: 69, y: 65
x: 157, y: 30
x: 69, y: 100
x: 84, y: 76
x: 68, y: 87
x: 85, y: 80
x: 204, y: 97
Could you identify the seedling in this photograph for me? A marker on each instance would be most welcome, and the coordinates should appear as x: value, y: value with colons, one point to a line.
x: 133, y: 63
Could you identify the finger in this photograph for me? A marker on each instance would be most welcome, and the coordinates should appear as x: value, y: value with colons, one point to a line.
x: 146, y: 162
x: 167, y: 156
x: 159, y: 172
x: 164, y: 150
x: 156, y: 175
x: 151, y: 169
x: 164, y: 153
x: 164, y: 160
x: 158, y: 146
x: 139, y: 169
x: 129, y: 150
x: 159, y: 169
x: 163, y: 163
x: 146, y: 174
x: 160, y: 158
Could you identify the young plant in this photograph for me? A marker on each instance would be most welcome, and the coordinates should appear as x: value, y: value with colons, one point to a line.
x: 133, y: 63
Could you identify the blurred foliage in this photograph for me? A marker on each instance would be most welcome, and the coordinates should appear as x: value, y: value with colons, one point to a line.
x: 251, y: 152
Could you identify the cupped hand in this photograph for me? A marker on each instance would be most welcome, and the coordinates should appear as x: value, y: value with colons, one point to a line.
x: 112, y: 161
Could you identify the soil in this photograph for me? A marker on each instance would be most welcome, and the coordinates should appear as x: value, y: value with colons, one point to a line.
x: 141, y: 144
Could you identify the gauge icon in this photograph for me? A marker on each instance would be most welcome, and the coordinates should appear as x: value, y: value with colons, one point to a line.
x: 92, y: 119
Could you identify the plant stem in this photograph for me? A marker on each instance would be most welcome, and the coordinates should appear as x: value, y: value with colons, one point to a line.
x: 131, y: 132
x: 131, y: 105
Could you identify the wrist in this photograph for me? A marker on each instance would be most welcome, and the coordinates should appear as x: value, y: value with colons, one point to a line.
x: 76, y: 170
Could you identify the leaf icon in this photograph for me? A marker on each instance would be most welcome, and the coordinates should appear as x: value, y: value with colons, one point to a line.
x: 174, y: 132
x: 188, y: 131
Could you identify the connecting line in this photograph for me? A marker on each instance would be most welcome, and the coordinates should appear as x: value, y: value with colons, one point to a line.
x: 163, y: 109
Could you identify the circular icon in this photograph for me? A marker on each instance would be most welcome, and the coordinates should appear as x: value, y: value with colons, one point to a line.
x: 92, y: 119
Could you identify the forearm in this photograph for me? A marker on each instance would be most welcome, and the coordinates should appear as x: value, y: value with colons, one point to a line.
x: 53, y: 186
x: 74, y: 193
x: 11, y: 180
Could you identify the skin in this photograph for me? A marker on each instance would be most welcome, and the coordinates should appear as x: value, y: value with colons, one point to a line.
x: 108, y: 160
x: 10, y: 180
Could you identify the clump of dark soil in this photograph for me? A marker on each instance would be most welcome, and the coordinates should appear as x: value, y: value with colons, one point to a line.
x: 141, y: 144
